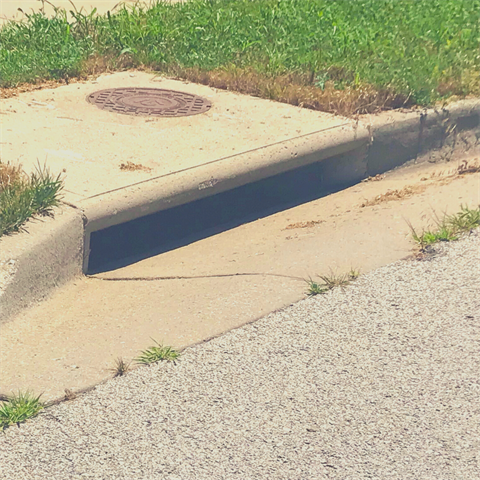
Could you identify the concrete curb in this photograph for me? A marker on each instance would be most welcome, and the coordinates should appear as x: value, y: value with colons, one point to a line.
x: 56, y: 251
x: 224, y: 174
x: 48, y: 256
x: 398, y: 137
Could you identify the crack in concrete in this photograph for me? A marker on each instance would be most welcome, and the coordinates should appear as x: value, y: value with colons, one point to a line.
x: 178, y: 277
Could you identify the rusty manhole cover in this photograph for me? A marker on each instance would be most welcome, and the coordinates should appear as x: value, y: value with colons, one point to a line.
x: 154, y: 102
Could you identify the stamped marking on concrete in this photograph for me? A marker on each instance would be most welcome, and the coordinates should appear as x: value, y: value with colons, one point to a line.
x: 153, y: 102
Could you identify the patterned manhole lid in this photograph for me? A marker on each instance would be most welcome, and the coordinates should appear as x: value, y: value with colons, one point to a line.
x: 153, y: 102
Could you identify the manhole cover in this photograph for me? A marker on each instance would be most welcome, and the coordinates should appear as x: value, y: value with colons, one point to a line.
x: 153, y: 102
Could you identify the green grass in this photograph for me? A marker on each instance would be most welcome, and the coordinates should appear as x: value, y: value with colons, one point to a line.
x: 23, y: 196
x: 157, y: 353
x: 18, y: 408
x: 448, y: 228
x: 356, y: 55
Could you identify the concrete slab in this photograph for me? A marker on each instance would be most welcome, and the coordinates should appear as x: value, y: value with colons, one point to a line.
x: 240, y: 140
x: 60, y: 127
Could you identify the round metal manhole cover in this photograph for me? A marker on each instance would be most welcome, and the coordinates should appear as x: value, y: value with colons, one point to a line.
x: 154, y: 102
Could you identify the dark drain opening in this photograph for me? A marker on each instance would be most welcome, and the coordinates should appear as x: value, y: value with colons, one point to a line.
x: 166, y: 230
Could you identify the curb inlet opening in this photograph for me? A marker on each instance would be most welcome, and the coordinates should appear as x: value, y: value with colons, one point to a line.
x: 127, y: 243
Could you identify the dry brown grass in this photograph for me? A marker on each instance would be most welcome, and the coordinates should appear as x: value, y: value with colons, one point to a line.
x: 30, y: 87
x: 121, y: 367
x: 134, y: 167
x: 92, y: 68
x: 69, y: 395
x: 296, y: 89
x: 10, y: 175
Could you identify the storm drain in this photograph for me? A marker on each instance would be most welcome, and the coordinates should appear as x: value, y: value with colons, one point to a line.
x: 119, y: 245
x: 153, y: 102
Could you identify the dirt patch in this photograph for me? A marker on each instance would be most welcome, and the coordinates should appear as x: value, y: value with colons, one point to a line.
x: 465, y: 167
x: 397, y: 194
x: 309, y: 224
x: 376, y: 178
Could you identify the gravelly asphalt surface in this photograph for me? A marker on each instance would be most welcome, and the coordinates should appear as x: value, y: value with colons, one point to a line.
x: 379, y: 381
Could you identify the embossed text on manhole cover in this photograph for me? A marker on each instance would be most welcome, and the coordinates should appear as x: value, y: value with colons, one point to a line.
x: 153, y: 102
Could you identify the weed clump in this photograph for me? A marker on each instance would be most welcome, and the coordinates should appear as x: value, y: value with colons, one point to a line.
x: 331, y: 281
x: 23, y: 196
x: 448, y: 228
x: 121, y: 367
x: 17, y: 408
x: 157, y: 353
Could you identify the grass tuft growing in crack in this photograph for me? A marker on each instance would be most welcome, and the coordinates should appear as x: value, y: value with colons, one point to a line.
x: 19, y: 407
x: 465, y: 220
x: 121, y: 367
x: 441, y: 234
x: 448, y: 228
x: 331, y: 281
x: 23, y: 196
x: 157, y: 353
